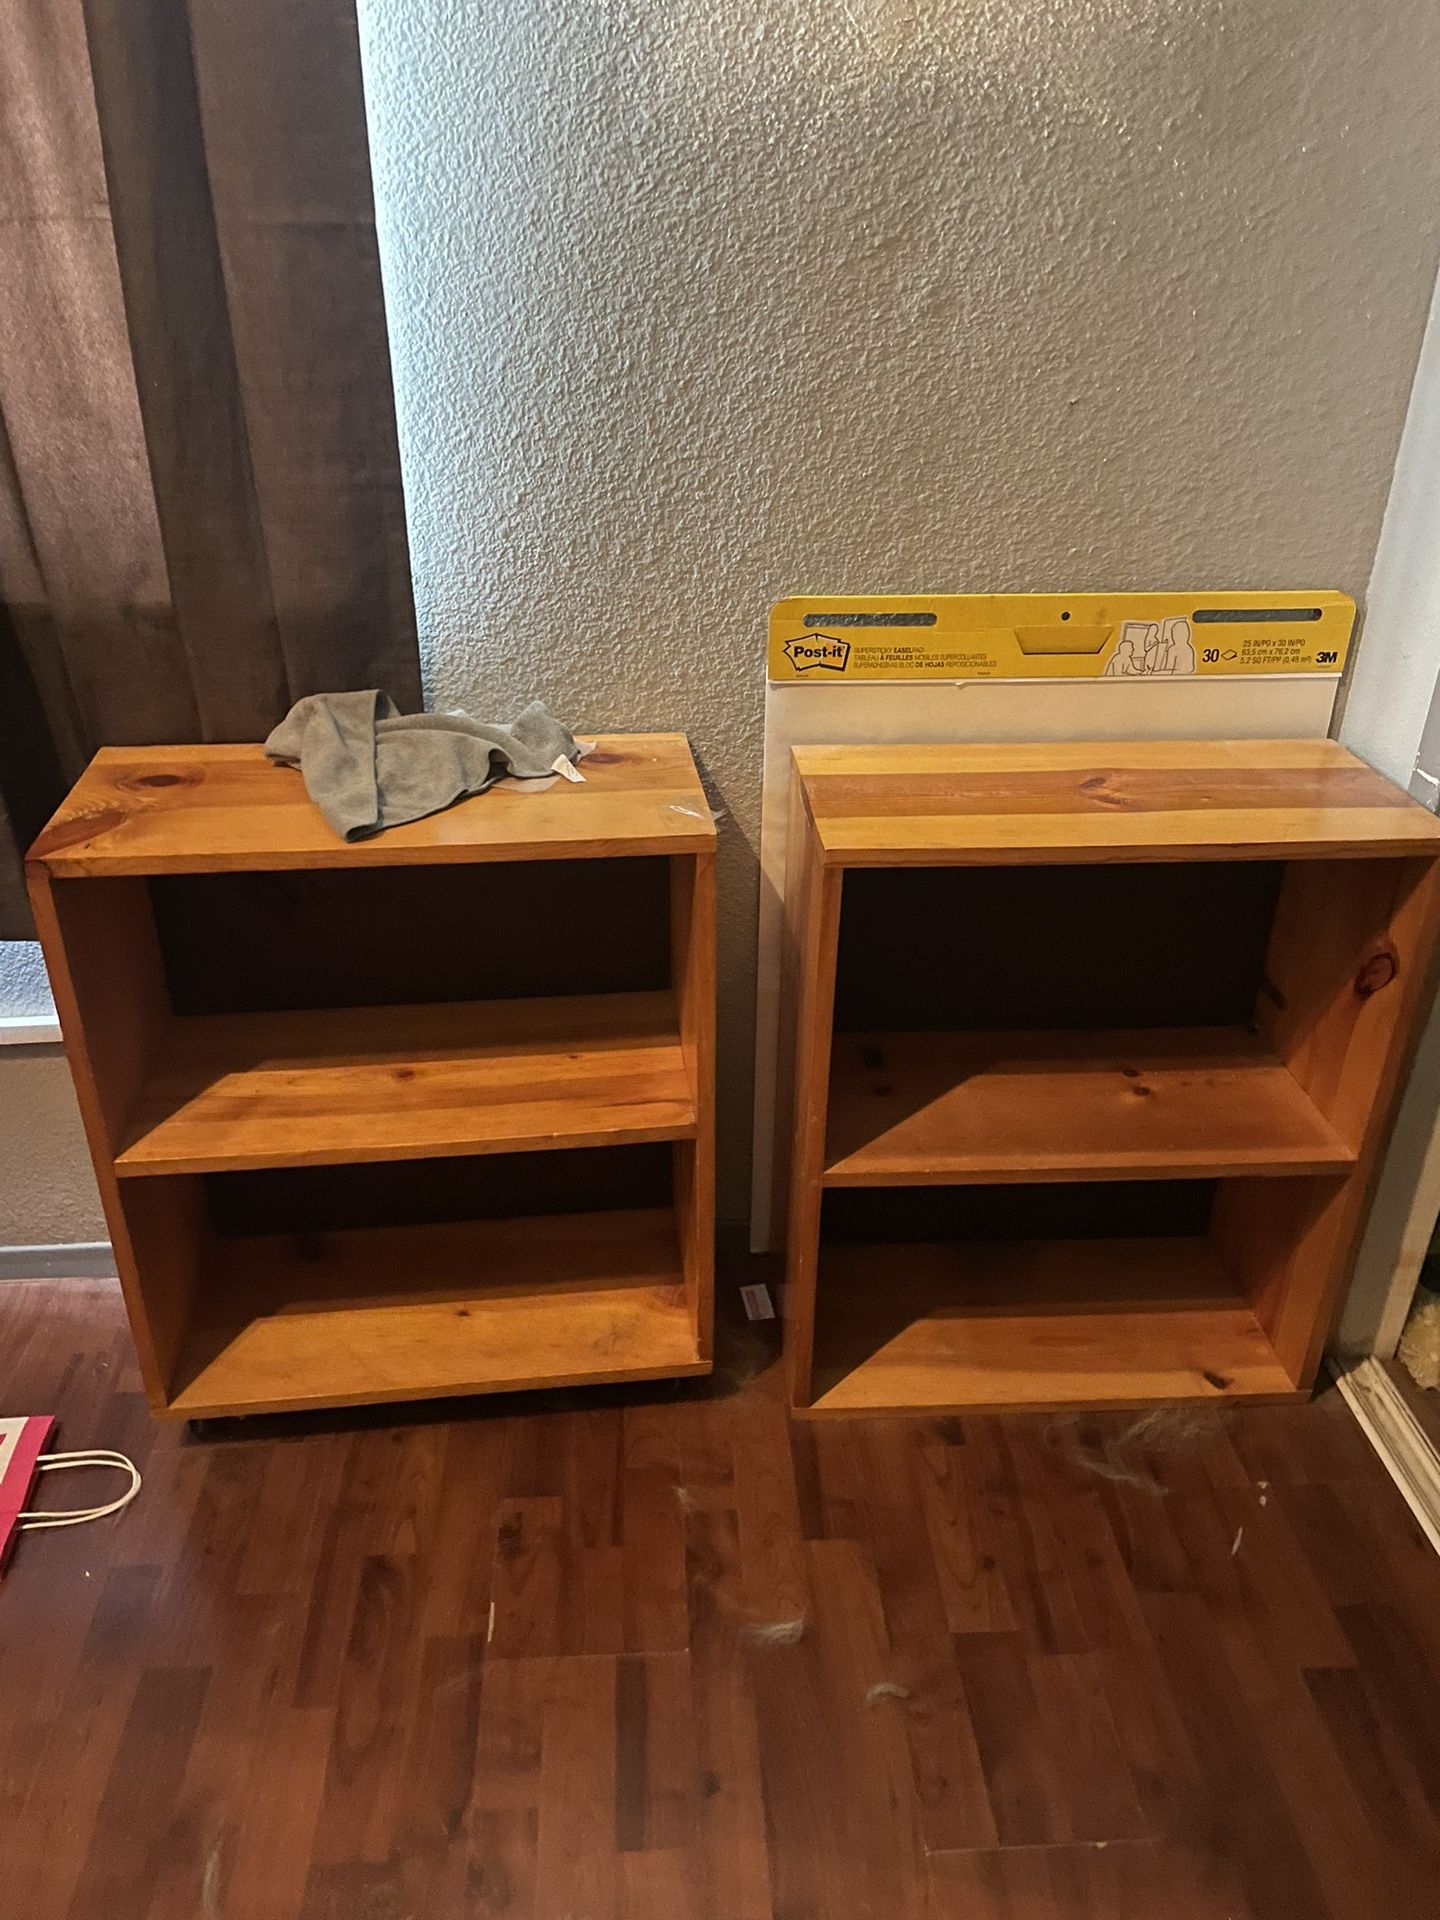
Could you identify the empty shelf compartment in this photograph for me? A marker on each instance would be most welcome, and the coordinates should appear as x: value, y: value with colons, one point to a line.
x: 401, y: 1313
x: 1006, y: 1325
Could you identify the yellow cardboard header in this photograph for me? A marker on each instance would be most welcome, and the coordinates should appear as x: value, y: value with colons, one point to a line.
x: 1054, y: 636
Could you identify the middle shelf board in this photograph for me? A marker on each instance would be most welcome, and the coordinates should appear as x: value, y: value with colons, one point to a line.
x: 932, y: 1109
x: 337, y: 1084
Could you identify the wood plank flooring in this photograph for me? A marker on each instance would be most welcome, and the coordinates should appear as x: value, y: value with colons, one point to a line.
x: 652, y: 1653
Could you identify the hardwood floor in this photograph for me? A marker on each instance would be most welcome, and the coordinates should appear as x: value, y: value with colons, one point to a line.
x: 651, y: 1653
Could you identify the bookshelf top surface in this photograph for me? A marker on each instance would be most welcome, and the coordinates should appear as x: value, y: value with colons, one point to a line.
x: 1056, y: 802
x: 209, y: 809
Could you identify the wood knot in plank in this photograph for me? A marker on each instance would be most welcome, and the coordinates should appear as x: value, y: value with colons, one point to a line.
x: 510, y: 1539
x: 1096, y: 786
x: 1378, y: 971
x: 73, y: 833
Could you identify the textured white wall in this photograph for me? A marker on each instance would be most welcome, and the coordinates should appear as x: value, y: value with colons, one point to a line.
x: 24, y: 990
x: 693, y: 306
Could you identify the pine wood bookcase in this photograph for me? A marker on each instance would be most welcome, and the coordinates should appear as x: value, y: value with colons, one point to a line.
x: 427, y: 1114
x: 1093, y: 1051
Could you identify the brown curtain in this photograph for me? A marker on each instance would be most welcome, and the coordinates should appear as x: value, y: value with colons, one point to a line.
x: 200, y: 507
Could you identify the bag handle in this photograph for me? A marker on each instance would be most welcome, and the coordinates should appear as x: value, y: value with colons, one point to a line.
x: 75, y: 1517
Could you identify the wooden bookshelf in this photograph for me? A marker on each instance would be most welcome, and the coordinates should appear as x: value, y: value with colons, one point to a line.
x: 1093, y: 1052
x: 426, y: 1114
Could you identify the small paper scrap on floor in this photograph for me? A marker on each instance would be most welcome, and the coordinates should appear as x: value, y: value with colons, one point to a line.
x: 886, y: 1690
x: 774, y: 1633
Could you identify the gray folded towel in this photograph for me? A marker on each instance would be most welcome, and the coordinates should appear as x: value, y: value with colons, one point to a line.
x: 367, y: 766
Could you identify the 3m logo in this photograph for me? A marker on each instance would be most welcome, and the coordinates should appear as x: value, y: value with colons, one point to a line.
x: 818, y: 650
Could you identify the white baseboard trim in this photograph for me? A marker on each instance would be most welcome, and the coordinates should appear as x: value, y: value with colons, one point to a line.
x: 29, y: 1030
x: 59, y: 1260
x: 1396, y: 1436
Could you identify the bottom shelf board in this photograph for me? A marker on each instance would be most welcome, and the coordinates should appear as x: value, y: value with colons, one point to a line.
x: 411, y: 1313
x: 1016, y: 1325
